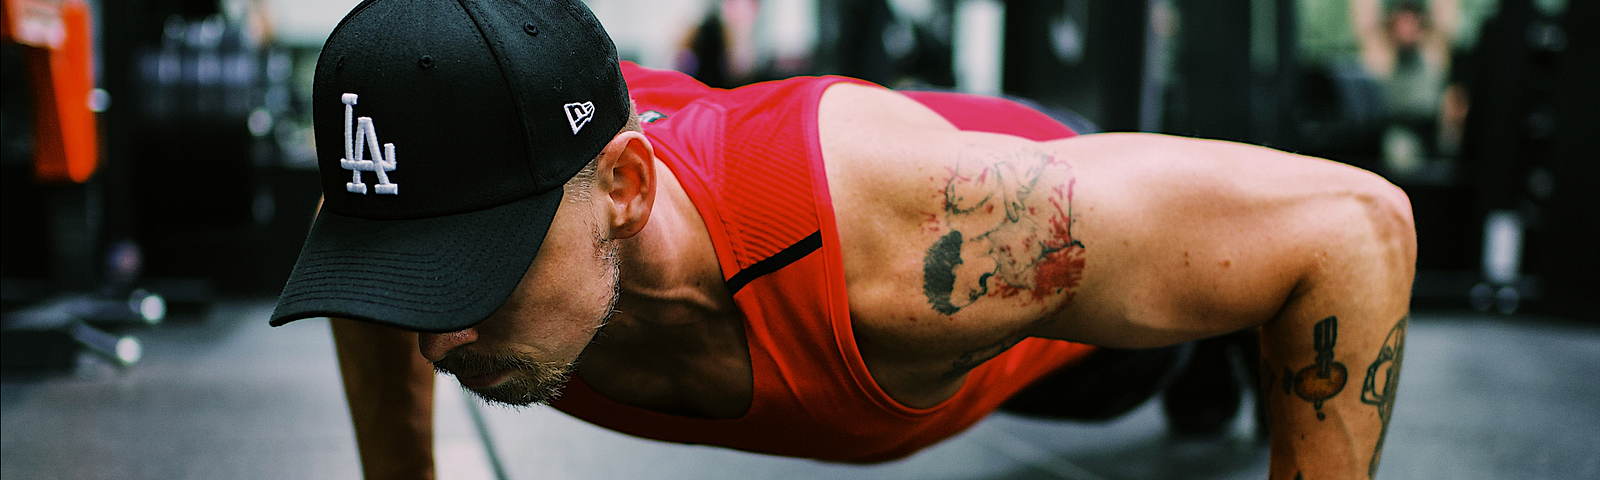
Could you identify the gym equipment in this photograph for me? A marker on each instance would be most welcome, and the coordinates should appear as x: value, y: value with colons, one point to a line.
x: 140, y: 307
x: 203, y: 146
x: 1566, y: 259
x: 59, y: 52
x: 1204, y: 398
x: 1527, y: 156
x: 50, y: 334
x: 53, y: 39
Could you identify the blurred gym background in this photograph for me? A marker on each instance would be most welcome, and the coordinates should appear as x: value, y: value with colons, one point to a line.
x: 159, y: 176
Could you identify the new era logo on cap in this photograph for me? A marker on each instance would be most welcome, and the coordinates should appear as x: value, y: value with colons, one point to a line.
x: 579, y: 114
x: 358, y: 140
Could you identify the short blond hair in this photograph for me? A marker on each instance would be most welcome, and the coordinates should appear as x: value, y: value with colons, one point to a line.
x: 584, y: 179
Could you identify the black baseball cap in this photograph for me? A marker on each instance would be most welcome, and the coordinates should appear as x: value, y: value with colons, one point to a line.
x: 445, y: 130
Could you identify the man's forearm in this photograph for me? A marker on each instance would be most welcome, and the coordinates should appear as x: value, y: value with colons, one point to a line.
x: 1331, y: 398
x: 1331, y: 362
x: 389, y: 388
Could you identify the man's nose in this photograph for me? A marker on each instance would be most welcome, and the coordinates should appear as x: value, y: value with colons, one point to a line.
x: 434, y: 346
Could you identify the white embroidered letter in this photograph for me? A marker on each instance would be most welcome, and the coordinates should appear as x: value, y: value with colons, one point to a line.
x: 359, y: 135
x: 579, y: 114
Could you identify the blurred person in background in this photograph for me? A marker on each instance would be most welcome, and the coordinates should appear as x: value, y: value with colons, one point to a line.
x: 721, y: 51
x: 1406, y: 45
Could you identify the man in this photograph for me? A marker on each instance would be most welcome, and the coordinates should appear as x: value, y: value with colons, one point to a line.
x: 815, y: 267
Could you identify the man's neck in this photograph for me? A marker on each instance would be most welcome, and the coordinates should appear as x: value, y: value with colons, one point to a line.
x: 670, y: 273
x: 677, y: 342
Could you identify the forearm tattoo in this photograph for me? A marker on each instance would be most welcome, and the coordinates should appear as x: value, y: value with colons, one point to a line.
x: 1006, y: 227
x: 1325, y: 377
x: 1383, y: 376
x: 1377, y: 389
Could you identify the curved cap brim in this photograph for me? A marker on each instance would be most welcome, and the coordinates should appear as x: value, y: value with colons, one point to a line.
x: 438, y: 274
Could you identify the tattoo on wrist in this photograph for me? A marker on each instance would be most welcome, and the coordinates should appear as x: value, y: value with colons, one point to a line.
x: 1325, y: 377
x: 1383, y: 377
x: 1007, y: 233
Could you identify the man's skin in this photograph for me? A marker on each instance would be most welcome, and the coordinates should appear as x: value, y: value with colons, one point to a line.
x: 1124, y: 240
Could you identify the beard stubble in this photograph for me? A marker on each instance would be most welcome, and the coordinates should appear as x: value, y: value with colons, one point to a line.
x: 531, y: 381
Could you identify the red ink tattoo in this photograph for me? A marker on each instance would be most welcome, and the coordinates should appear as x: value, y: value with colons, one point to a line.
x: 997, y: 244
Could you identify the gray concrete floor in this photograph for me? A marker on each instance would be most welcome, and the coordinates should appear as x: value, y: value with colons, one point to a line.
x: 1483, y: 397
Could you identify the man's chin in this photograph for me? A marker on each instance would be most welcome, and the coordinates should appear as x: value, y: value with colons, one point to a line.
x: 513, y: 381
x: 516, y: 401
x: 517, y: 392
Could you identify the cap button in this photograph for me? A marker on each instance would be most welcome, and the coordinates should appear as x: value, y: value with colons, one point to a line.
x: 426, y: 62
x: 531, y: 29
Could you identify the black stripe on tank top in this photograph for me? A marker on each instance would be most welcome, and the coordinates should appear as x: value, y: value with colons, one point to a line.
x: 775, y: 262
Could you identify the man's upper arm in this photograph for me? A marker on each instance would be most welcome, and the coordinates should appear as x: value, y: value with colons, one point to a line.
x: 1201, y: 237
x: 1114, y: 239
x: 958, y: 245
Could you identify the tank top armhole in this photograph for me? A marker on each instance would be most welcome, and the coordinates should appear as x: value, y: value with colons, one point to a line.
x: 837, y: 295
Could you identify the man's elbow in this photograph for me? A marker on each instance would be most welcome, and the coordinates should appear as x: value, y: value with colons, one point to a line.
x: 1363, y: 234
x: 1374, y: 240
x: 1394, y: 225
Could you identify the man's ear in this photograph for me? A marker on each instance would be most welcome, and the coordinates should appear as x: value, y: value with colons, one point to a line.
x: 627, y: 176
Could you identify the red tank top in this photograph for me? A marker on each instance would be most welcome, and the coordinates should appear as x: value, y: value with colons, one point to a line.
x: 751, y: 161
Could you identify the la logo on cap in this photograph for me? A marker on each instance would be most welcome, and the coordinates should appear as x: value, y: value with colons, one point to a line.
x: 579, y: 114
x: 356, y: 141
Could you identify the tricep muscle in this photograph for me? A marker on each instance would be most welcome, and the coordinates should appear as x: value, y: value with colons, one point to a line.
x: 1114, y: 239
